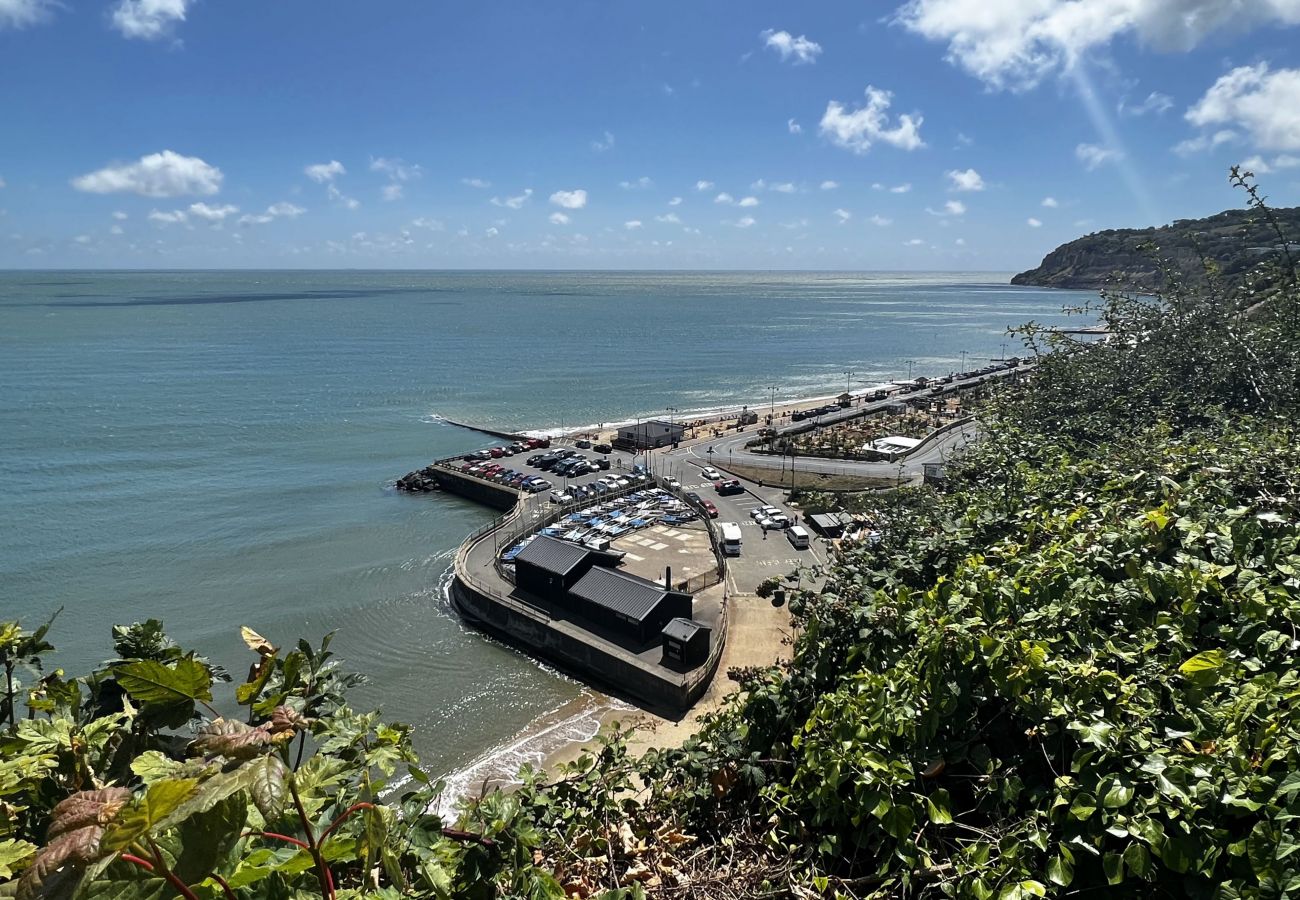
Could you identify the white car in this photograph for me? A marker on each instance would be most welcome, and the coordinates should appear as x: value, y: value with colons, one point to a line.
x: 765, y: 512
x: 560, y: 497
x: 712, y: 474
x: 672, y: 482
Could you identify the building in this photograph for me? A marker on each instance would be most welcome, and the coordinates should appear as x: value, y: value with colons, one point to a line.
x: 650, y: 434
x: 627, y: 604
x: 830, y: 525
x: 685, y: 644
x: 584, y: 582
x: 547, y: 568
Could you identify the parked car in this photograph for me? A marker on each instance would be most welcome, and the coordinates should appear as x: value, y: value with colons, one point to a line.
x: 602, y: 448
x: 709, y: 509
x: 602, y: 464
x: 560, y: 497
x: 725, y: 488
x: 583, y: 444
x: 672, y: 482
x: 712, y: 474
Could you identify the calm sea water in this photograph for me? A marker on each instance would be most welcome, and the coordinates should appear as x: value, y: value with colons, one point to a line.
x: 217, y: 448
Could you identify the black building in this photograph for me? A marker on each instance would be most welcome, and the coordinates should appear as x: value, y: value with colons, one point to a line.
x: 686, y: 644
x: 547, y: 568
x: 630, y: 605
x: 651, y: 434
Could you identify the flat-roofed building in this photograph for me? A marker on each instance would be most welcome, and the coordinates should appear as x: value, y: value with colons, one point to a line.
x: 649, y: 434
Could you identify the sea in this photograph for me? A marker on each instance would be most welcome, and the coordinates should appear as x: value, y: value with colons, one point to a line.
x: 217, y: 449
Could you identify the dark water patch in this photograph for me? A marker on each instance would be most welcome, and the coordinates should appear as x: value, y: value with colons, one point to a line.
x: 205, y: 299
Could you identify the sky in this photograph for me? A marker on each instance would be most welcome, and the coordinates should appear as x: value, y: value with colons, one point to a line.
x: 955, y: 135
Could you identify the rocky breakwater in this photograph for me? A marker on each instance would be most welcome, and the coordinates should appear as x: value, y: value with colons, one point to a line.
x: 420, y: 481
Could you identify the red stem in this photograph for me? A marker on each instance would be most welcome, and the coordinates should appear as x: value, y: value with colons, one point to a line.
x: 343, y: 816
x: 225, y: 887
x: 181, y: 887
x: 323, y: 874
x: 278, y: 837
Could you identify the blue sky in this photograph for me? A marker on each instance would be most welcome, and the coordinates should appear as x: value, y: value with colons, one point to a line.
x: 940, y: 134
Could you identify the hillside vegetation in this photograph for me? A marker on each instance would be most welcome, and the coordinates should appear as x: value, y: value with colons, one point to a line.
x: 1073, y: 674
x: 1236, y: 242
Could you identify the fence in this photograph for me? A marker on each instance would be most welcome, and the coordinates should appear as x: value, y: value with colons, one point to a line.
x: 511, y: 533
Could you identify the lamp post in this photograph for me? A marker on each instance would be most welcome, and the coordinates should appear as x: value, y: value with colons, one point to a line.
x: 963, y: 359
x: 909, y: 369
x: 771, y: 411
x: 848, y: 378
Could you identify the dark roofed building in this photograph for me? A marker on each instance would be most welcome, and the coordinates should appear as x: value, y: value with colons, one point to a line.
x: 626, y: 603
x: 654, y: 433
x: 830, y: 524
x: 548, y: 568
x: 685, y: 643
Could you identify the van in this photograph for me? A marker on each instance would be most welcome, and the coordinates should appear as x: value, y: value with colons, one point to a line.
x: 730, y: 532
x: 798, y: 536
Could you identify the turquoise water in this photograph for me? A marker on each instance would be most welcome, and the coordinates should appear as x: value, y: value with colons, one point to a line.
x: 217, y: 448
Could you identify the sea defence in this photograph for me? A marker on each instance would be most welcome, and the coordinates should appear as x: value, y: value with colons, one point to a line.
x: 483, y: 594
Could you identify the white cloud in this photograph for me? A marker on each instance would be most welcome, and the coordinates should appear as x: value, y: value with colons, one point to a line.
x: 430, y: 224
x: 843, y: 215
x: 745, y: 222
x: 395, y: 169
x: 570, y: 199
x: 605, y: 143
x: 165, y: 174
x: 335, y: 194
x: 784, y: 187
x: 951, y: 208
x: 21, y: 13
x: 881, y: 221
x: 492, y: 232
x: 900, y: 188
x: 212, y: 214
x: 632, y: 224
x: 275, y: 211
x: 747, y: 201
x: 1261, y: 166
x: 1156, y: 103
x: 1050, y: 202
x: 641, y: 184
x: 148, y: 19
x: 515, y: 202
x: 724, y: 197
x: 704, y: 185
x: 1033, y: 223
x: 858, y: 129
x: 830, y: 185
x: 392, y: 192
x: 1203, y: 142
x: 669, y: 219
x: 800, y: 49
x: 676, y: 201
x: 116, y: 229
x: 960, y: 242
x: 325, y: 172
x: 969, y: 180
x: 476, y: 182
x: 1011, y: 43
x: 120, y: 216
x: 1092, y: 155
x: 1266, y: 105
x: 175, y: 217
x: 915, y: 242
x: 559, y: 218
x: 793, y: 127
x: 283, y: 210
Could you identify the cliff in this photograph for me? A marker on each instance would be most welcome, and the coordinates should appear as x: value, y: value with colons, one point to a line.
x: 1236, y: 240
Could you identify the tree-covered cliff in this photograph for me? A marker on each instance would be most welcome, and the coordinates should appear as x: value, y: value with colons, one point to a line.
x: 1235, y: 241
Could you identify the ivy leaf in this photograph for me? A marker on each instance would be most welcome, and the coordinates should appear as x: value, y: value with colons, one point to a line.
x: 1083, y: 806
x: 1203, y: 668
x: 1118, y: 796
x: 1138, y: 860
x: 1060, y: 872
x: 939, y: 806
x: 1113, y: 865
x: 899, y: 821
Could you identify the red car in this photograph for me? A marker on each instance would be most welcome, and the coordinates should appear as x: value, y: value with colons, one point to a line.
x: 709, y: 508
x: 496, y: 452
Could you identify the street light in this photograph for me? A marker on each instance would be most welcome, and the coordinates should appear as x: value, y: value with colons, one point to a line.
x: 848, y: 377
x: 963, y: 359
x: 909, y: 369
